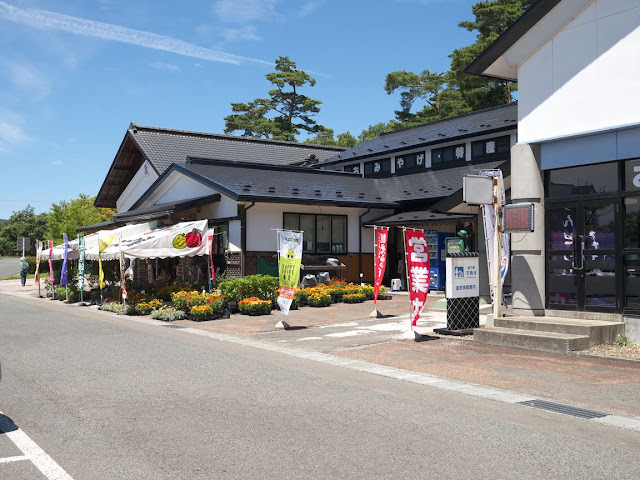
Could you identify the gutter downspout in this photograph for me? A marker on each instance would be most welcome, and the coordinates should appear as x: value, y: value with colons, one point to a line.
x: 360, y: 243
x: 243, y: 236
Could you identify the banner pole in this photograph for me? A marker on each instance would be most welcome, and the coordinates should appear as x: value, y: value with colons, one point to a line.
x: 375, y: 259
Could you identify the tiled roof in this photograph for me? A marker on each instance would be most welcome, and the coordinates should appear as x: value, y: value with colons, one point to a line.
x: 268, y: 183
x: 162, y: 147
x: 490, y: 120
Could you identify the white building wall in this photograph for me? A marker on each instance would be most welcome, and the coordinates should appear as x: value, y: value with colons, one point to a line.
x: 262, y: 218
x: 586, y: 77
x: 139, y: 184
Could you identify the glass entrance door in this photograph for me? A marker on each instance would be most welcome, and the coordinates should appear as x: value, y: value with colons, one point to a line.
x: 581, y: 256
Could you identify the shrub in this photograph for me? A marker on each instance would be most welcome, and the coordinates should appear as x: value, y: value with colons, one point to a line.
x: 353, y: 298
x: 229, y: 290
x: 114, y: 307
x: 168, y: 314
x: 258, y: 286
x: 74, y: 294
x: 319, y: 298
x: 254, y: 305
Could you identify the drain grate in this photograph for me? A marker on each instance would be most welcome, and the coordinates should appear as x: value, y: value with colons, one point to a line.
x: 563, y: 409
x: 171, y: 326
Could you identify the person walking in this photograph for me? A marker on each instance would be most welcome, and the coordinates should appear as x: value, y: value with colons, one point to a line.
x: 24, y: 268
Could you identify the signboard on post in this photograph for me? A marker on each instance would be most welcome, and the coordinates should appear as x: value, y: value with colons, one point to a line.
x: 462, y: 277
x: 24, y: 244
x: 518, y: 217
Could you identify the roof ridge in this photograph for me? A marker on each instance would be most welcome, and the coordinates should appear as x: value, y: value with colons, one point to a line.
x: 221, y: 136
x: 456, y: 117
x: 191, y: 160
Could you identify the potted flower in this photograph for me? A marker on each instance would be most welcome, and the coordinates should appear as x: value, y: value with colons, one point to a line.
x: 319, y: 298
x: 168, y: 314
x: 353, y: 298
x: 254, y: 306
x: 200, y: 313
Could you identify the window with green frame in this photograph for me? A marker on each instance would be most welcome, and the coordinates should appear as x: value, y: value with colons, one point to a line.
x: 321, y: 233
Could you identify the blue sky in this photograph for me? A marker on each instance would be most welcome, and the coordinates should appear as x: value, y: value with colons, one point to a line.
x: 75, y: 73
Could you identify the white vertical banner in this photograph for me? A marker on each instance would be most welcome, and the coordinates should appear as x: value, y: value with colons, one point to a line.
x: 489, y: 217
x: 290, y: 255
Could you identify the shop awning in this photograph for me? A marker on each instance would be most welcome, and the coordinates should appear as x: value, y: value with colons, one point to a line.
x: 91, y: 242
x: 185, y: 239
x: 422, y: 217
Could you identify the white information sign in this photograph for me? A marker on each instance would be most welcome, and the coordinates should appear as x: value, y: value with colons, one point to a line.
x: 462, y: 277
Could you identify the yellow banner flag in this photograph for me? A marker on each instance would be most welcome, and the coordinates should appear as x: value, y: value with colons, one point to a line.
x: 102, y: 246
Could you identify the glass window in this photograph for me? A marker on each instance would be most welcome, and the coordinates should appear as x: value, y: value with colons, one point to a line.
x: 448, y: 154
x: 491, y: 149
x: 308, y: 226
x: 632, y: 223
x: 583, y: 180
x: 353, y: 168
x: 338, y: 234
x: 409, y: 162
x: 321, y: 233
x: 323, y: 223
x: 378, y: 168
x: 291, y: 221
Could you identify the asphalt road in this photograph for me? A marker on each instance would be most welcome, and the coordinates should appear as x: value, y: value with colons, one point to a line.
x: 9, y: 266
x: 108, y: 397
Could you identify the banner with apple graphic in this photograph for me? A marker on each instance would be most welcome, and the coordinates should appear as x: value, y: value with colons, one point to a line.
x: 185, y: 239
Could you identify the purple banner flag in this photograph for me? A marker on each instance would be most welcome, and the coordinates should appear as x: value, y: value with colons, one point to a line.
x: 63, y: 275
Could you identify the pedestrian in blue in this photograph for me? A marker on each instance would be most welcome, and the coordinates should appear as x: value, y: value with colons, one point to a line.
x: 24, y: 267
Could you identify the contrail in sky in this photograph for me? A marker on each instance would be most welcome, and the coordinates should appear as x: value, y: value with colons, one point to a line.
x: 54, y: 21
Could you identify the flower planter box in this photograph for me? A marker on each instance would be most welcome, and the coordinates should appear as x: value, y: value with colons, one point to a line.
x: 384, y: 296
x: 206, y: 318
x: 257, y: 314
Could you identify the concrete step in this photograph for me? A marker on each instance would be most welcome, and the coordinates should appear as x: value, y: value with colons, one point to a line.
x: 598, y: 331
x: 553, y: 342
x: 607, y: 317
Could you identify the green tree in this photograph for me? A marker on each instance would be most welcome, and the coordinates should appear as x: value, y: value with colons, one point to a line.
x: 325, y: 137
x: 492, y: 18
x: 454, y: 92
x: 66, y: 217
x: 23, y: 223
x: 284, y: 114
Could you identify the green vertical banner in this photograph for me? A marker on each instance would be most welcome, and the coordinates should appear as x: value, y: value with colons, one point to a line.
x: 80, y: 262
x: 290, y: 252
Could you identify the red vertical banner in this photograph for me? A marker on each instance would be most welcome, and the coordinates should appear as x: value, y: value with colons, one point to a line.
x: 381, y: 237
x: 418, y: 270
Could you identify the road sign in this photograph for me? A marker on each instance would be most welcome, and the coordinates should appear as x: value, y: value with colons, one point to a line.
x: 23, y: 243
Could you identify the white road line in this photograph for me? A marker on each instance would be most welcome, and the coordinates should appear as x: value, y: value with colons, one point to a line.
x: 33, y: 452
x: 13, y: 459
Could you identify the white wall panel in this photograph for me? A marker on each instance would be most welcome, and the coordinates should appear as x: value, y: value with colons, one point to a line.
x: 595, y: 74
x: 138, y: 185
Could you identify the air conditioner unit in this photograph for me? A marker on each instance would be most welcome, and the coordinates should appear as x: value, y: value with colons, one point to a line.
x: 396, y: 284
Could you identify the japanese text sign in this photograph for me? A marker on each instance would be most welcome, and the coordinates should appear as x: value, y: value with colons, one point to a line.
x: 418, y: 273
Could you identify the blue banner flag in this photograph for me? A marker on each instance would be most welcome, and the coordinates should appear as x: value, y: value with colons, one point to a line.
x: 63, y: 275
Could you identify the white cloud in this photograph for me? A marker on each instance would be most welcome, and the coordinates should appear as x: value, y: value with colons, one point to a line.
x: 247, y: 33
x: 27, y: 77
x: 46, y: 20
x: 57, y: 162
x: 11, y: 130
x: 310, y: 7
x: 165, y: 66
x: 235, y: 11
